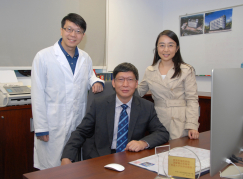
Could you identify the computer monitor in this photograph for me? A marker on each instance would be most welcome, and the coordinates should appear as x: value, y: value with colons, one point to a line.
x: 226, y: 116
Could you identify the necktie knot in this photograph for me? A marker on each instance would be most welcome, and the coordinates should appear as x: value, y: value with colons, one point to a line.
x: 124, y: 106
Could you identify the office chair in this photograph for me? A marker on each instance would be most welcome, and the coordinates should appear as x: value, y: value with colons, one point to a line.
x: 108, y: 90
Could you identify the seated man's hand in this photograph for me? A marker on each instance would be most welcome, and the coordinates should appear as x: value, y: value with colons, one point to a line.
x: 136, y: 146
x: 193, y: 134
x: 97, y: 87
x: 44, y: 138
x: 66, y: 161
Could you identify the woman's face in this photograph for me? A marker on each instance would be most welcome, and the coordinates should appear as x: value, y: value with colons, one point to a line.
x: 167, y: 48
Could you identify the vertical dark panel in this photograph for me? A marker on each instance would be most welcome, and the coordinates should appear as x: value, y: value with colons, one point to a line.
x: 16, y: 142
x: 205, y: 112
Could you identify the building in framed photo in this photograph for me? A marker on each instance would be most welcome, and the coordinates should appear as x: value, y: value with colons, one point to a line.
x: 192, y: 25
x: 218, y: 21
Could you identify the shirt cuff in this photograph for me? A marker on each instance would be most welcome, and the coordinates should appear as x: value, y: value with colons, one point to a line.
x: 99, y: 82
x: 147, y: 143
x: 41, y: 133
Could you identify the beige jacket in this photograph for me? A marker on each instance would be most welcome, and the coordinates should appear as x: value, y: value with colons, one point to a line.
x: 176, y: 100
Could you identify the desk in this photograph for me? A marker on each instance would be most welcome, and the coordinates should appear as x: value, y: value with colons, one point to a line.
x: 94, y: 168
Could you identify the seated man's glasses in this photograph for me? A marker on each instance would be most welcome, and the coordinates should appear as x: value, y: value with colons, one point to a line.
x: 122, y: 80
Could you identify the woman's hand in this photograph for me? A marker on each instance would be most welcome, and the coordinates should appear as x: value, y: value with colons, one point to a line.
x: 193, y: 134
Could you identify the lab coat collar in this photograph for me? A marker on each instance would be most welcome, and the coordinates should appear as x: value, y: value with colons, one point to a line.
x: 62, y: 58
x: 64, y: 62
x: 64, y: 51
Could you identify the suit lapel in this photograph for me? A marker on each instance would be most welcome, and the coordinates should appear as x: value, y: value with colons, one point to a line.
x: 135, y: 108
x: 111, y: 104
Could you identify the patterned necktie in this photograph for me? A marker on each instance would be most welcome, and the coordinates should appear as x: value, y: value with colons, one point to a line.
x: 122, y: 132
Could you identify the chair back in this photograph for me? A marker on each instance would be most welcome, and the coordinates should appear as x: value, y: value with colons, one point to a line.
x: 108, y: 90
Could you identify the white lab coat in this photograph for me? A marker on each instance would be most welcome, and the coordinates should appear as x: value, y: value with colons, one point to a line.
x: 59, y: 100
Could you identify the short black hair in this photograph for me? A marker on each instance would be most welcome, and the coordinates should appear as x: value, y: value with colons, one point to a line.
x: 76, y: 19
x: 125, y: 67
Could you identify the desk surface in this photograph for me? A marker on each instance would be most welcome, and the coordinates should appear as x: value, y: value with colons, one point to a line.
x: 94, y: 168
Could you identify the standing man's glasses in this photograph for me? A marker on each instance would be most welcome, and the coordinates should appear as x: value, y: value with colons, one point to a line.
x: 70, y: 30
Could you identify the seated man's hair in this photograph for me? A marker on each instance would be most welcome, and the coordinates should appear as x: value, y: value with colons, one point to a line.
x: 125, y: 67
x: 76, y: 19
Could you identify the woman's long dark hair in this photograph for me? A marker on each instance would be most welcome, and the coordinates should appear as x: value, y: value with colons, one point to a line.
x: 177, y: 59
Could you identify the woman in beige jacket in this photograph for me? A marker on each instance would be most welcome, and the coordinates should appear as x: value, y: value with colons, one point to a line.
x: 173, y: 86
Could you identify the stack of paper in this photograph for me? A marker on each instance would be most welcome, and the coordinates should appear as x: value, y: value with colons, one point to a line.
x: 159, y: 163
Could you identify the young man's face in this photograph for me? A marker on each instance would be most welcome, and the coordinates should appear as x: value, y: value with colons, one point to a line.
x: 125, y: 85
x: 70, y: 40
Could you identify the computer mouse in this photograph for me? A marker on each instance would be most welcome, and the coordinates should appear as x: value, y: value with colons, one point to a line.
x: 115, y: 166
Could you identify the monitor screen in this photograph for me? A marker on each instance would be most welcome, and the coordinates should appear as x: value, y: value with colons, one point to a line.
x: 226, y: 116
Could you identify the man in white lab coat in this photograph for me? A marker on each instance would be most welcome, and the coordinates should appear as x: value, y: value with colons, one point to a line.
x: 61, y: 77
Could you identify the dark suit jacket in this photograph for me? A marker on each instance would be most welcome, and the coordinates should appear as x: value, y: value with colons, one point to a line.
x: 99, y: 123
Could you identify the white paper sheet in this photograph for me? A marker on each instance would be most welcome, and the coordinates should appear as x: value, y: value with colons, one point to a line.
x: 151, y: 162
x: 8, y: 76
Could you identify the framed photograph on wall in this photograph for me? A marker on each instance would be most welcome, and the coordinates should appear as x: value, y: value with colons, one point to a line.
x: 218, y: 21
x: 191, y: 25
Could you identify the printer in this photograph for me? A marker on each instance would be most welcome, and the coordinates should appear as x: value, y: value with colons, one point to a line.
x: 14, y: 94
x: 12, y: 91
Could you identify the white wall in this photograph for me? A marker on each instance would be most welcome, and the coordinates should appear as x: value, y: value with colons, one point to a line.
x: 94, y: 13
x: 24, y: 79
x: 164, y: 16
x: 29, y: 26
x: 133, y: 27
x: 172, y: 9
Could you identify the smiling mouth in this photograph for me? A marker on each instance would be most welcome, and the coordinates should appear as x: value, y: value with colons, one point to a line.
x: 125, y: 91
x: 71, y: 40
x: 166, y: 55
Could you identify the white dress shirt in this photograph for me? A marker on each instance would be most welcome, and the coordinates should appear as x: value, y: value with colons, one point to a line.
x: 118, y: 111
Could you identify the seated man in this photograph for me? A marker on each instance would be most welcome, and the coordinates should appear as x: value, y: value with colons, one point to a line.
x: 118, y: 122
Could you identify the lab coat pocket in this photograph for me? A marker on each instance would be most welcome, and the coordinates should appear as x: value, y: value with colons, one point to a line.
x: 56, y: 115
